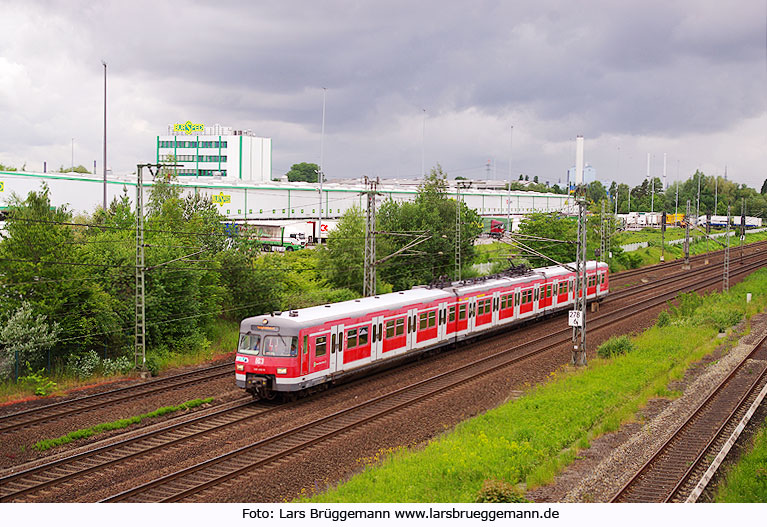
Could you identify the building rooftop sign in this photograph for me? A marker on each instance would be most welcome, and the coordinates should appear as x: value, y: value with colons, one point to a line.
x: 188, y: 127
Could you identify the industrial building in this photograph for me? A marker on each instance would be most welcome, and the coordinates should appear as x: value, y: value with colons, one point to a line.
x: 216, y: 151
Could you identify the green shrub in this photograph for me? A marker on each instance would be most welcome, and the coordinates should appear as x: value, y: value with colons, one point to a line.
x: 39, y: 382
x: 614, y: 346
x: 85, y: 365
x: 664, y: 319
x: 499, y: 491
x: 119, y: 365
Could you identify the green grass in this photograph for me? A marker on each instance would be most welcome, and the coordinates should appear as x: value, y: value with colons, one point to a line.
x: 100, y: 428
x: 533, y: 438
x: 746, y: 482
x: 651, y: 255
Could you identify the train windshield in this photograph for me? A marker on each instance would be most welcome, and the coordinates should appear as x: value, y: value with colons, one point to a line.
x: 278, y: 346
x: 250, y: 344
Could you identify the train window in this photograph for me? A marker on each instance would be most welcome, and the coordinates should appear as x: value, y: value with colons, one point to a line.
x: 536, y: 293
x: 333, y: 343
x: 363, y: 336
x: 306, y: 346
x: 320, y: 346
x: 423, y: 321
x: 562, y: 288
x: 451, y: 314
x: 462, y: 312
x: 548, y: 290
x: 278, y: 346
x: 432, y: 319
x: 389, y: 329
x: 249, y: 344
x: 480, y: 308
x: 400, y: 327
x: 351, y: 339
x: 503, y: 302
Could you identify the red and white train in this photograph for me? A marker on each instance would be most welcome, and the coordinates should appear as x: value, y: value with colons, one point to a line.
x: 299, y: 350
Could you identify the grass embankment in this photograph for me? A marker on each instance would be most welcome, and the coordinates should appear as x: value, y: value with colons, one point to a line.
x: 746, y: 482
x: 100, y: 428
x: 532, y: 438
x: 651, y: 255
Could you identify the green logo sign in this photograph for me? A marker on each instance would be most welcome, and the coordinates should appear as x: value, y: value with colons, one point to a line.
x: 222, y: 198
x: 188, y: 127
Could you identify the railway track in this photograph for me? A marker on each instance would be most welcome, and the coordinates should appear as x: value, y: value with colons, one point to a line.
x: 713, y: 257
x: 675, y: 468
x: 32, y: 483
x: 60, y: 409
x: 29, y: 482
x: 256, y: 459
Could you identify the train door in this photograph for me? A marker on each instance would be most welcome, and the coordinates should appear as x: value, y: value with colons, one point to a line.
x: 376, y: 338
x: 517, y: 302
x: 305, y: 354
x: 554, y: 293
x: 472, y: 313
x: 496, y: 306
x: 442, y: 321
x: 412, y: 315
x: 336, y: 358
x: 536, y: 298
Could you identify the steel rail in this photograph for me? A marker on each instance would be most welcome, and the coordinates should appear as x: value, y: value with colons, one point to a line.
x: 687, y: 428
x: 173, y: 488
x: 57, y: 410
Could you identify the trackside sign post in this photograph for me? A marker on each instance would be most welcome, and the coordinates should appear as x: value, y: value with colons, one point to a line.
x: 575, y: 318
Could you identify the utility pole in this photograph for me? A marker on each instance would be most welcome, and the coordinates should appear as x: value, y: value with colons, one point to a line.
x: 369, y: 280
x: 687, y: 238
x: 577, y: 317
x: 104, y: 168
x: 458, y: 203
x: 508, y: 190
x: 320, y: 173
x: 140, y: 326
x: 663, y: 236
x: 602, y: 234
x: 726, y: 274
x: 742, y: 228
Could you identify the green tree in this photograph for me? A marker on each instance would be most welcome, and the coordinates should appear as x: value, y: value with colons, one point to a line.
x: 764, y: 187
x: 24, y: 340
x: 346, y: 251
x: 79, y: 169
x: 550, y: 226
x: 304, y: 172
x: 433, y: 212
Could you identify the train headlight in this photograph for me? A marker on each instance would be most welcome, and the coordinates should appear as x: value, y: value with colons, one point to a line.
x: 240, y: 367
x: 282, y: 371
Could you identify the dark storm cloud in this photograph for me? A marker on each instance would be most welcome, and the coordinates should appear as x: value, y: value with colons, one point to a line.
x: 635, y: 70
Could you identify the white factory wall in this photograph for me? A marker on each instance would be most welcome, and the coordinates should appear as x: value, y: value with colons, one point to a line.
x: 240, y: 200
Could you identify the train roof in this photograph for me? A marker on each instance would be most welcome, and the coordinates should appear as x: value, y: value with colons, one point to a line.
x: 300, y: 318
x: 349, y: 308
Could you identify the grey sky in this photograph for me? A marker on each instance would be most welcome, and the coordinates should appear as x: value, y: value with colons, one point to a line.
x: 688, y: 78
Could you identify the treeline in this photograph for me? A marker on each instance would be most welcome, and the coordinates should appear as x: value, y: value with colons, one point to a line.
x: 67, y: 283
x: 716, y: 194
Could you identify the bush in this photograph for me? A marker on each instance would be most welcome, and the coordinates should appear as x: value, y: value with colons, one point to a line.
x: 85, y: 365
x: 41, y: 384
x: 499, y: 491
x: 664, y: 319
x: 120, y: 365
x: 615, y: 346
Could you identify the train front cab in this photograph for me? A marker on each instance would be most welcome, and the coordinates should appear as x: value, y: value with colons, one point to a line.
x: 266, y: 358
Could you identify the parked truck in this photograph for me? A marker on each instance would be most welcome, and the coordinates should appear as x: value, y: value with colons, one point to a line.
x: 274, y: 237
